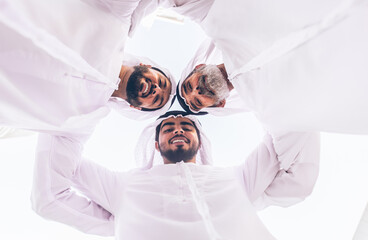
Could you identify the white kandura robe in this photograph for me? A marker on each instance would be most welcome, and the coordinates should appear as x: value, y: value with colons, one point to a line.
x: 60, y: 63
x: 297, y: 64
x: 173, y: 201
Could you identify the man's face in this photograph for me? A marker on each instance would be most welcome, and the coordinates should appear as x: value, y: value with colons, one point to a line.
x: 178, y: 140
x: 193, y: 89
x: 152, y: 89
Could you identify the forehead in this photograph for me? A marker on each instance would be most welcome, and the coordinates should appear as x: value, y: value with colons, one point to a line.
x: 192, y: 77
x: 176, y: 121
x: 159, y: 73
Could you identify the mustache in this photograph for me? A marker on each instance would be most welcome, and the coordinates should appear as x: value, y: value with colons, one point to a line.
x: 180, y: 135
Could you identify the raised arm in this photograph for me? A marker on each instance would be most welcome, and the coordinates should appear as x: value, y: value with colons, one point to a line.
x: 58, y: 168
x: 282, y: 170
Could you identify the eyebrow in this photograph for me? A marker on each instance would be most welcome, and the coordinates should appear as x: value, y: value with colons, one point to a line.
x: 184, y: 88
x: 187, y: 123
x: 161, y: 100
x: 194, y: 106
x: 181, y: 123
x: 155, y: 100
x: 167, y: 124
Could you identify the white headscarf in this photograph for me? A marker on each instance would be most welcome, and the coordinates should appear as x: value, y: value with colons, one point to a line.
x: 145, y: 153
x: 123, y: 107
x: 208, y: 53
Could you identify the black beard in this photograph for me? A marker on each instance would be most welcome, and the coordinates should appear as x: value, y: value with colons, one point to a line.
x: 133, y: 86
x: 179, y: 154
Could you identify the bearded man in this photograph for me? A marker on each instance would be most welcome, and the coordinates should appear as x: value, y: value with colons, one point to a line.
x: 62, y: 71
x: 179, y: 195
x: 299, y: 66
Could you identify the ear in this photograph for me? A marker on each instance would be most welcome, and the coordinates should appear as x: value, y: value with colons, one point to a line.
x: 138, y: 108
x: 221, y: 103
x: 141, y: 64
x: 199, y: 65
x: 156, y: 146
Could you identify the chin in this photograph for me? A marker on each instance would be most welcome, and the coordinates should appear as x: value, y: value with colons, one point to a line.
x: 179, y: 154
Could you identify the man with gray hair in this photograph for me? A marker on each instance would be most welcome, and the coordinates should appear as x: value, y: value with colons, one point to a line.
x: 206, y: 86
x: 290, y: 64
x: 178, y: 195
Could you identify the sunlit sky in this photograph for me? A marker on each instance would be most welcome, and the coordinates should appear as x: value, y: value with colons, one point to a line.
x: 331, y: 212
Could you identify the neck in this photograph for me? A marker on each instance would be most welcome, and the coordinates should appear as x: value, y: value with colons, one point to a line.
x: 224, y: 73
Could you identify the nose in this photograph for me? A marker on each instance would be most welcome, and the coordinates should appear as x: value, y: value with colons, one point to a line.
x: 199, y: 90
x: 156, y: 89
x: 178, y: 130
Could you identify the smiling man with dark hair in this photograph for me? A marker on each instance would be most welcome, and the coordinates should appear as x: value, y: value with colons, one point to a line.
x: 59, y: 74
x: 183, y: 146
x: 146, y: 87
x: 179, y: 196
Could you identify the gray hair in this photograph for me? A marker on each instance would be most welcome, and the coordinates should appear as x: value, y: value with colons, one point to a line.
x: 215, y: 81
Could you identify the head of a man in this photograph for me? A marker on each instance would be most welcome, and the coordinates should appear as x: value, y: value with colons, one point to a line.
x: 146, y: 87
x: 205, y: 86
x: 177, y: 139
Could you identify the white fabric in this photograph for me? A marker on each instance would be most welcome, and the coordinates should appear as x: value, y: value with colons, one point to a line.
x: 58, y: 69
x: 362, y: 230
x: 144, y: 8
x: 159, y: 203
x: 299, y: 65
x: 6, y: 132
x: 146, y: 154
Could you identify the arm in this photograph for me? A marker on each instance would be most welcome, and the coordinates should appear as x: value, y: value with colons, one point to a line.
x: 282, y: 170
x: 58, y: 167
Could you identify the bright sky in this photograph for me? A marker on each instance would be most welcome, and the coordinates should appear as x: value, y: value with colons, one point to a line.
x: 331, y: 212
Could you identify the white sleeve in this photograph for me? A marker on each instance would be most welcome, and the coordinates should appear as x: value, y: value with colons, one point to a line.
x: 58, y: 168
x: 196, y: 10
x: 122, y: 9
x: 282, y: 170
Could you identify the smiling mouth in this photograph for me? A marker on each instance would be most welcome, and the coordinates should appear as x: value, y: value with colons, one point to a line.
x: 179, y: 140
x: 205, y: 85
x: 145, y: 89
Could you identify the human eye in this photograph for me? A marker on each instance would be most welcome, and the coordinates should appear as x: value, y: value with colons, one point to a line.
x: 185, y: 89
x: 168, y: 130
x: 156, y: 98
x: 187, y: 127
x: 194, y: 107
x: 190, y: 86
